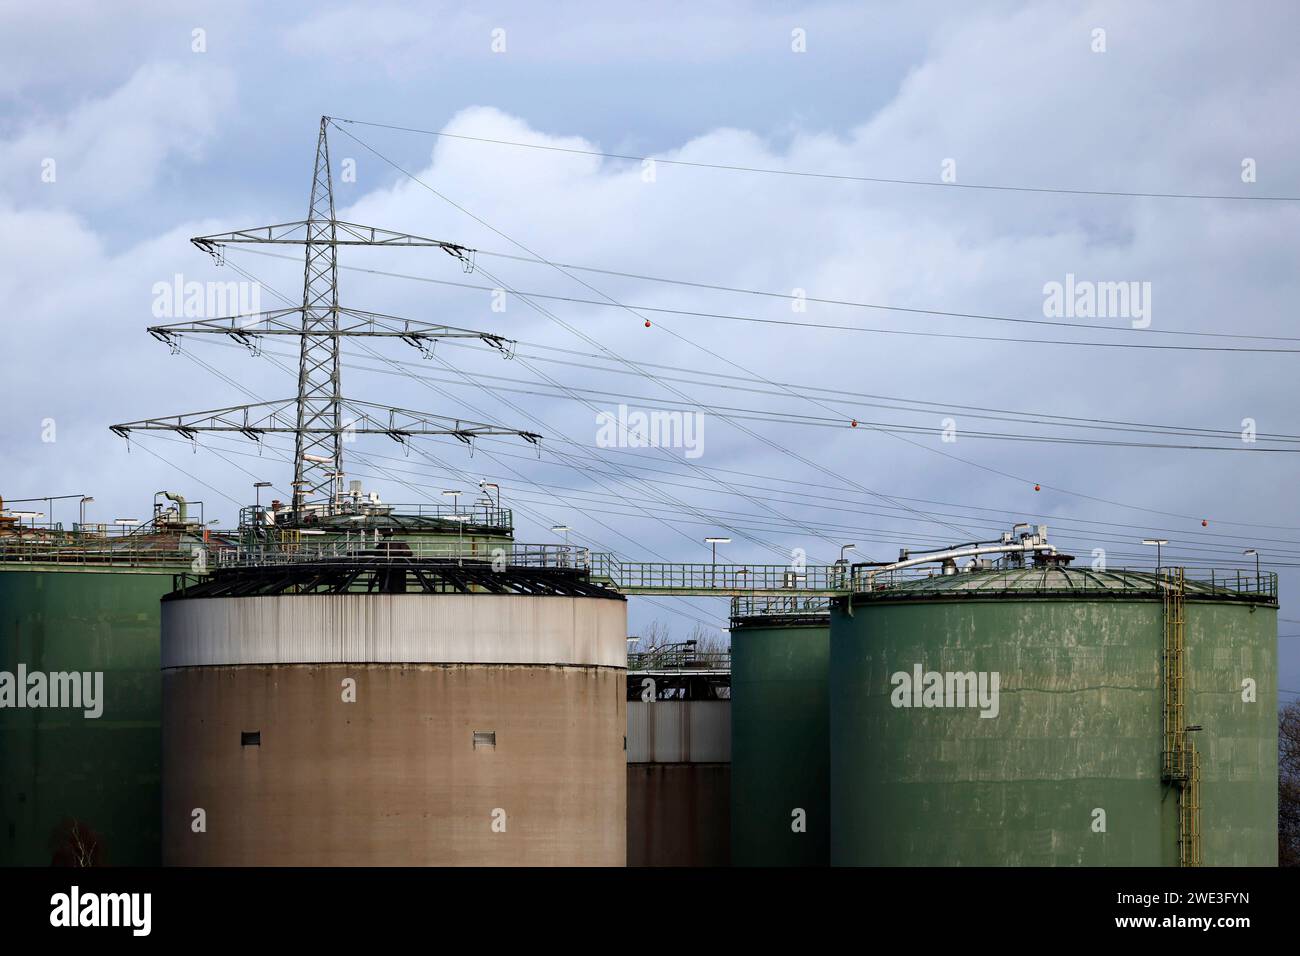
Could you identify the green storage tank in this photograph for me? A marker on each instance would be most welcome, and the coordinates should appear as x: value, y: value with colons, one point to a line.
x: 1059, y: 761
x: 780, y: 812
x: 89, y: 602
x: 57, y: 765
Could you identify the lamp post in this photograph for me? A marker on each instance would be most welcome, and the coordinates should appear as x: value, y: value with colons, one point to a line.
x: 85, y: 500
x: 1255, y: 552
x: 454, y: 495
x: 1158, y: 542
x: 843, y: 562
x: 257, y: 493
x: 460, y: 520
x: 713, y: 574
x: 485, y: 485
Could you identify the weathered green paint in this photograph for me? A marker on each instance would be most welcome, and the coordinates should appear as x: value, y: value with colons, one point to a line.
x: 779, y: 749
x: 1079, y: 728
x: 57, y: 764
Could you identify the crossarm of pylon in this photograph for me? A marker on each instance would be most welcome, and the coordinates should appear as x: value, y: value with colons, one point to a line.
x: 352, y: 322
x: 369, y: 418
x: 252, y: 420
x: 345, y: 234
x: 362, y: 418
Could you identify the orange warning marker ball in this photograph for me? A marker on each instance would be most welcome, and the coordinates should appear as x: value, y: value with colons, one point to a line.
x: 1038, y: 487
x: 647, y: 323
x: 1204, y: 523
x: 854, y: 423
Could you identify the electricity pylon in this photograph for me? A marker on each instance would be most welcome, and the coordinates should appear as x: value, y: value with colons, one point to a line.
x: 319, y: 416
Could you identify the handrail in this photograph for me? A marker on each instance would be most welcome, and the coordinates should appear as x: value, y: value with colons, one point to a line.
x: 771, y: 589
x: 508, y: 554
x: 678, y: 658
x: 489, y: 516
x: 41, y: 552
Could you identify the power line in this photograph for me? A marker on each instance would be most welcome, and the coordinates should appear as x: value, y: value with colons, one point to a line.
x: 1144, y: 529
x: 835, y: 327
x: 613, y: 497
x: 816, y: 175
x: 791, y: 418
x: 970, y: 411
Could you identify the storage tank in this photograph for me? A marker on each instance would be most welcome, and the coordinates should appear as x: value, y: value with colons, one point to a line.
x: 1018, y: 717
x: 780, y: 812
x: 678, y: 757
x: 84, y: 609
x: 389, y: 710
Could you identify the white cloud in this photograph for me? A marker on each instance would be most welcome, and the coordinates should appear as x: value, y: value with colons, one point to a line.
x: 112, y: 149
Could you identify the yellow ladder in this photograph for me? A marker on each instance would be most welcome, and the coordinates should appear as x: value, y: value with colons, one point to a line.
x: 1189, y: 810
x: 1182, y: 764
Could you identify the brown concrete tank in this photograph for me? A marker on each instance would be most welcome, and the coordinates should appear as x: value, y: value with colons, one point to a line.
x: 394, y: 711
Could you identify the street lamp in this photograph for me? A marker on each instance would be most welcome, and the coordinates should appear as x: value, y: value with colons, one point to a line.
x: 454, y: 496
x: 844, y: 548
x: 1157, y: 542
x: 1256, y: 554
x: 257, y: 493
x: 485, y: 485
x: 715, y: 542
x: 460, y: 534
x: 85, y: 500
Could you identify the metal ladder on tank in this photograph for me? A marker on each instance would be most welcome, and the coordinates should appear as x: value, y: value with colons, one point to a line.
x: 1182, y: 764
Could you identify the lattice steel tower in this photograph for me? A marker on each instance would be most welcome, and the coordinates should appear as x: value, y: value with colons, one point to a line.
x: 319, y: 416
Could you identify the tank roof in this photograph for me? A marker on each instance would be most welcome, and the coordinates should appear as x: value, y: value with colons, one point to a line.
x: 791, y: 611
x: 1212, y: 584
x: 392, y: 574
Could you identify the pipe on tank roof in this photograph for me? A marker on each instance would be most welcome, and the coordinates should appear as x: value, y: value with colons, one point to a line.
x: 180, y: 503
x: 951, y: 554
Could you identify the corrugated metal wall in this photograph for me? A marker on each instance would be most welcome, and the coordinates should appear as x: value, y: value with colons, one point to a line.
x: 679, y: 783
x: 394, y: 628
x: 679, y: 731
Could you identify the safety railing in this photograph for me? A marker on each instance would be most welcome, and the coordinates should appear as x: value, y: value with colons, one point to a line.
x: 678, y: 658
x: 1240, y: 582
x: 97, y: 553
x: 488, y: 516
x: 506, y: 555
x: 1263, y: 583
x: 648, y: 576
x: 779, y: 605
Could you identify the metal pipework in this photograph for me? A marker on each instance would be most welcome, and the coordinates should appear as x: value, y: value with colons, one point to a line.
x: 1029, y: 544
x: 181, y: 513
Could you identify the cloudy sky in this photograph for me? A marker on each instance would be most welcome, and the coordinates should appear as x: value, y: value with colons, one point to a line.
x: 125, y: 132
